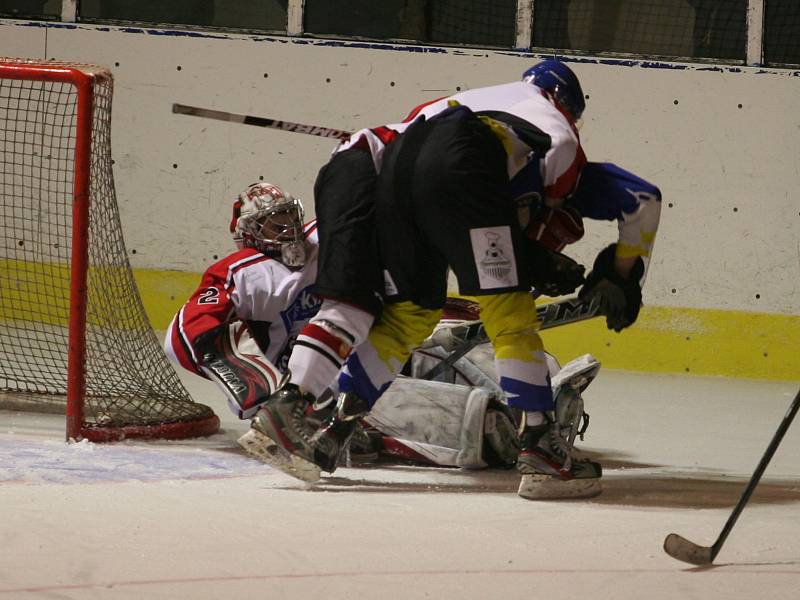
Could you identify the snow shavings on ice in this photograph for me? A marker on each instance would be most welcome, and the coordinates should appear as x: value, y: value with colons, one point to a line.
x: 44, y: 461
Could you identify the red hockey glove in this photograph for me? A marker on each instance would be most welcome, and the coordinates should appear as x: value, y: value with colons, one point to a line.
x: 554, y: 228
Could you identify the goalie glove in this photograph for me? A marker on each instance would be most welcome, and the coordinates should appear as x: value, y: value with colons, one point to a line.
x: 552, y: 273
x: 619, y: 299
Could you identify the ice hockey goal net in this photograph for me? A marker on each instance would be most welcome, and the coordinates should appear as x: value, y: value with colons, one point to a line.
x: 74, y: 335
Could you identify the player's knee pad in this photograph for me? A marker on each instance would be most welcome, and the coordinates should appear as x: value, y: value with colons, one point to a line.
x: 230, y: 357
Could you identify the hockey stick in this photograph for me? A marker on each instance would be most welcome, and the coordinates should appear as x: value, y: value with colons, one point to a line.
x: 554, y: 314
x: 682, y: 549
x: 207, y: 113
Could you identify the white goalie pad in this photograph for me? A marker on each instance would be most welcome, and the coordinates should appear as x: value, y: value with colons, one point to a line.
x: 578, y: 373
x: 476, y: 368
x: 447, y: 421
x: 443, y: 422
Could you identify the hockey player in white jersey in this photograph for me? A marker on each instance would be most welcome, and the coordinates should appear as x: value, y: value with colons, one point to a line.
x: 438, y: 191
x: 447, y: 195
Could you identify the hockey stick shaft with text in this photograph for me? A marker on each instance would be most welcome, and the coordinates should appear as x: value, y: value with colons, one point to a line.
x: 554, y: 314
x: 219, y: 115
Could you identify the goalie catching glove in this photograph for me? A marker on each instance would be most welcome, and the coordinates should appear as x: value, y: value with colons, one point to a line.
x: 619, y: 299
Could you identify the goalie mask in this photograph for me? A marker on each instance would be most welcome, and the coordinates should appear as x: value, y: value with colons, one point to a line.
x: 270, y: 220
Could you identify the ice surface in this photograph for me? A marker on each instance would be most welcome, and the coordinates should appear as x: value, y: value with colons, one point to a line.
x: 198, y: 519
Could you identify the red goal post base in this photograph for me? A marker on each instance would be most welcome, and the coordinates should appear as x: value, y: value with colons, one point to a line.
x: 162, y: 431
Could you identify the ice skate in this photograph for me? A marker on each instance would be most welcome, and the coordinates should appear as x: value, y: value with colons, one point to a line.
x: 549, y: 469
x: 331, y: 441
x: 365, y: 443
x: 364, y: 447
x: 280, y: 435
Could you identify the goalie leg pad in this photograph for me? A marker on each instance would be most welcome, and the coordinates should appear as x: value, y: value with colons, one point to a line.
x: 501, y: 440
x: 568, y: 384
x: 231, y: 358
x: 442, y: 422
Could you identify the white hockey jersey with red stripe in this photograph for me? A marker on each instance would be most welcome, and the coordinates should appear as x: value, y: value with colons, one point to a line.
x: 249, y: 286
x: 543, y: 148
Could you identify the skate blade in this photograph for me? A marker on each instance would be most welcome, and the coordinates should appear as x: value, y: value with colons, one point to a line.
x: 261, y: 446
x: 546, y: 487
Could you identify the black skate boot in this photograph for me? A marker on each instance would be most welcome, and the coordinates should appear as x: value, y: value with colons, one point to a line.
x: 366, y: 441
x: 331, y: 441
x: 364, y: 447
x: 280, y: 434
x: 549, y: 469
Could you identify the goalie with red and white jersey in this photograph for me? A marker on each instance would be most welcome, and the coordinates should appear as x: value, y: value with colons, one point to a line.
x: 238, y: 328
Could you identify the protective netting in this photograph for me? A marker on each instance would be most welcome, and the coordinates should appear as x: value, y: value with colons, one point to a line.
x: 490, y: 23
x: 670, y: 28
x: 782, y: 32
x: 707, y: 30
x: 131, y: 388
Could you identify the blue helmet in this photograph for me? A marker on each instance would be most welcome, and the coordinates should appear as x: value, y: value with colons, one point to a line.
x: 558, y: 79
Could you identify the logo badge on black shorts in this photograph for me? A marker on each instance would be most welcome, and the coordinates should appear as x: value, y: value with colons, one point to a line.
x: 494, y: 257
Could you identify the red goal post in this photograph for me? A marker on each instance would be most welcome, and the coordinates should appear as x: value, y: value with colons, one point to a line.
x: 74, y: 336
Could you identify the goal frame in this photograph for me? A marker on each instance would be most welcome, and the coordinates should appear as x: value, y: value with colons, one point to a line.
x: 76, y: 353
x: 83, y: 78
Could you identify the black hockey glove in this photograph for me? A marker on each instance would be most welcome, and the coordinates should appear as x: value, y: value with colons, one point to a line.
x: 619, y: 299
x: 553, y: 273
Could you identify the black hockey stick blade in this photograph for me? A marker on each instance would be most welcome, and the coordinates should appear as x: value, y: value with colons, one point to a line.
x: 219, y: 115
x: 682, y: 549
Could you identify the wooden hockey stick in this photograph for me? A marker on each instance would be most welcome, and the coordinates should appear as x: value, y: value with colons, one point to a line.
x: 570, y: 310
x: 679, y: 547
x: 207, y: 113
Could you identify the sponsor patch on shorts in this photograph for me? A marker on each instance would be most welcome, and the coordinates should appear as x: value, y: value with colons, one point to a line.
x: 494, y: 257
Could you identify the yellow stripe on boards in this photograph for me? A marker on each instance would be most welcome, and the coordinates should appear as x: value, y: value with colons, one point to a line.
x: 164, y: 292
x: 664, y: 340
x: 687, y: 340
